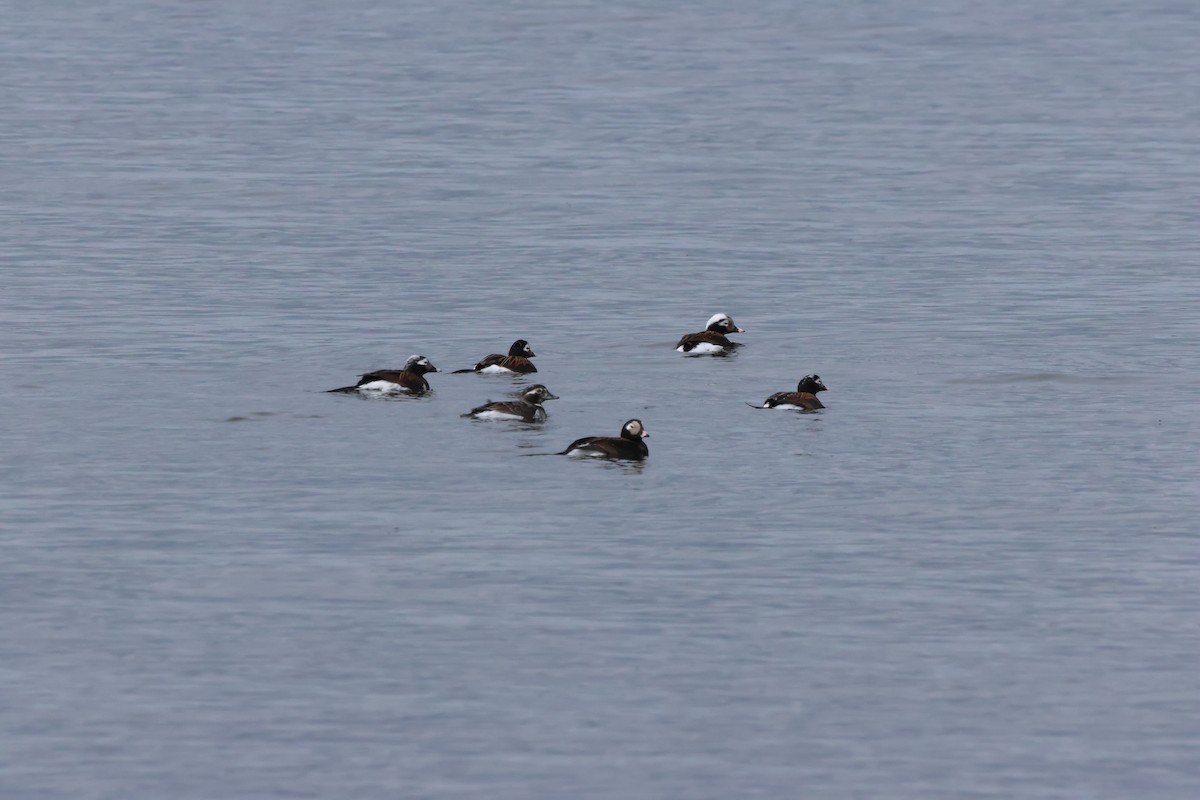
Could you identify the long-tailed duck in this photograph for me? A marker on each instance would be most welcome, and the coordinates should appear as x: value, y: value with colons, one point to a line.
x: 516, y: 361
x: 804, y: 398
x: 628, y: 445
x: 712, y: 340
x: 409, y: 380
x: 528, y: 408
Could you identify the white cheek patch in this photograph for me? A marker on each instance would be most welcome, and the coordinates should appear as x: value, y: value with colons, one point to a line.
x: 494, y: 370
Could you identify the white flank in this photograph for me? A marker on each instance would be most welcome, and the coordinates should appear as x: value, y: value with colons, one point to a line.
x: 493, y: 414
x: 494, y: 370
x: 703, y: 349
x: 382, y: 386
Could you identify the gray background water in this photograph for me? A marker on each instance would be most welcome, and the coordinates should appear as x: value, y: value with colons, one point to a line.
x: 973, y: 575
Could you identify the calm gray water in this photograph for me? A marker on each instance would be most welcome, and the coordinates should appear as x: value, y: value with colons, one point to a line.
x: 975, y: 574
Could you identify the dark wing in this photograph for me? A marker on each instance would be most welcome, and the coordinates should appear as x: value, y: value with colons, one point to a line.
x: 409, y: 380
x: 689, y: 341
x: 488, y: 405
x: 804, y: 400
x: 490, y: 360
x: 776, y: 399
x: 515, y: 363
x: 526, y: 411
x: 580, y: 444
x: 616, y: 447
x: 519, y: 364
x: 607, y: 445
x: 389, y: 375
x: 610, y: 447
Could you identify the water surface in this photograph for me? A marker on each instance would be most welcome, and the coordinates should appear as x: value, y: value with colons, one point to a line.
x: 972, y: 575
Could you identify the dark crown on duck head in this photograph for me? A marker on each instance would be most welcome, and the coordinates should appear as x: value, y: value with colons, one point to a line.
x: 811, y: 384
x: 521, y: 348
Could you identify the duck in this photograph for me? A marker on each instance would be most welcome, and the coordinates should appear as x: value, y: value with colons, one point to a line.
x: 528, y: 408
x: 517, y: 361
x: 711, y: 341
x: 628, y: 445
x: 804, y: 398
x: 409, y: 380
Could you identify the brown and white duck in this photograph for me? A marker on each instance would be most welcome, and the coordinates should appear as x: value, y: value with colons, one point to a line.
x: 712, y: 341
x: 528, y: 408
x: 409, y: 380
x: 517, y: 361
x: 803, y: 399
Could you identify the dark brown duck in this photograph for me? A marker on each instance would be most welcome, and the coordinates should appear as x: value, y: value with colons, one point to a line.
x: 628, y: 445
